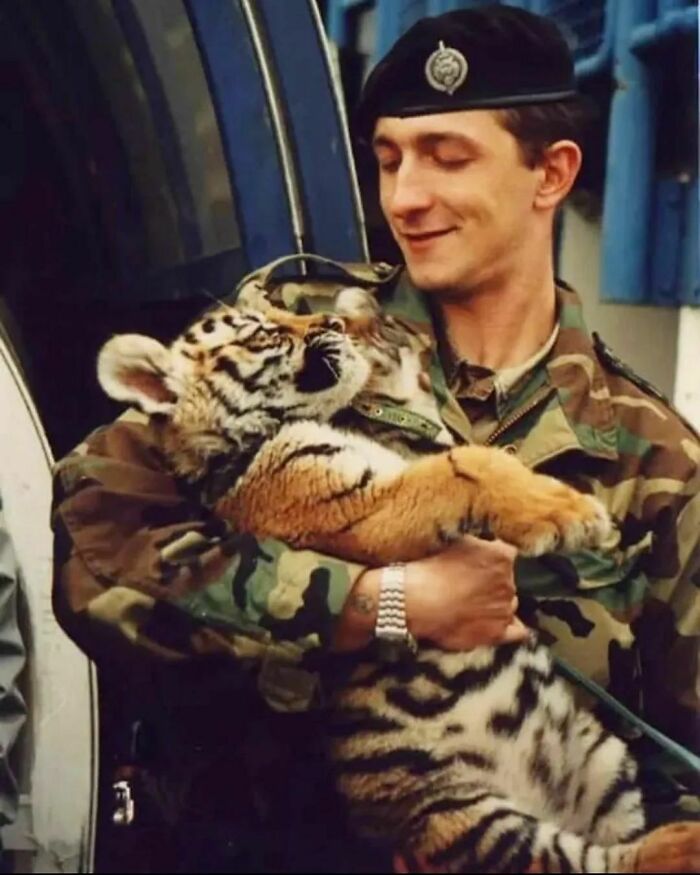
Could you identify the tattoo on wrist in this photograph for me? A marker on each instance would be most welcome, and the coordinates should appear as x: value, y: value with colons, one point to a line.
x: 363, y: 604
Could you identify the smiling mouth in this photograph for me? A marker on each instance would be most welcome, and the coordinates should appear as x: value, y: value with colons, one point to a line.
x: 427, y: 235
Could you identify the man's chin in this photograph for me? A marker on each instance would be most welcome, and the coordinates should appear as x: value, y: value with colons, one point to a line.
x: 428, y: 278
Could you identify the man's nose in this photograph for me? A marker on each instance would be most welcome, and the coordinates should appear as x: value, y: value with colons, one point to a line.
x: 409, y: 193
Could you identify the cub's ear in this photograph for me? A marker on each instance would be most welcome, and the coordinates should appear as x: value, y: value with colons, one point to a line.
x: 356, y: 303
x: 138, y: 370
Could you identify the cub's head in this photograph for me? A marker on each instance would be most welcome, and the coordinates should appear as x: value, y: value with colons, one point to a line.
x: 234, y: 378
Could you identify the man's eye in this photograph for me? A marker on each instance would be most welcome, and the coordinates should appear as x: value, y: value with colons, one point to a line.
x: 452, y: 162
x: 387, y: 162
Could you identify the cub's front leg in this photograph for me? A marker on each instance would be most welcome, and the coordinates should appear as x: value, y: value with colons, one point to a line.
x: 469, y: 489
x: 534, y: 512
x: 346, y: 495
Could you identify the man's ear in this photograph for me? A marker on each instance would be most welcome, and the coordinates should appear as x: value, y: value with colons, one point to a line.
x: 136, y: 369
x: 559, y: 166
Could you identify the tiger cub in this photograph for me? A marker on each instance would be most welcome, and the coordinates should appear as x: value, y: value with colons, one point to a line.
x: 471, y: 761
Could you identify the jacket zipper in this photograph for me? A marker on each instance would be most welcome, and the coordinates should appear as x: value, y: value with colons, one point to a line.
x: 537, y: 399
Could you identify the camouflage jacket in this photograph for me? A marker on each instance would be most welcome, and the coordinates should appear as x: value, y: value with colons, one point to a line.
x: 134, y: 557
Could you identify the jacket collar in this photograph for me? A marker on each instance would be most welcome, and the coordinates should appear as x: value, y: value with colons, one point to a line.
x: 578, y: 416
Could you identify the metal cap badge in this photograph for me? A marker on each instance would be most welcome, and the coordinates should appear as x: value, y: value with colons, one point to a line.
x: 514, y: 57
x: 446, y: 69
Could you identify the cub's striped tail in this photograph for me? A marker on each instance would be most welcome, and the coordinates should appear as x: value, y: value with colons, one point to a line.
x: 486, y: 833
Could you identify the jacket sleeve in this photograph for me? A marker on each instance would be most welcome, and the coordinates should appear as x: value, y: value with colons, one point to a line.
x: 142, y: 568
x: 669, y: 630
x: 12, y: 706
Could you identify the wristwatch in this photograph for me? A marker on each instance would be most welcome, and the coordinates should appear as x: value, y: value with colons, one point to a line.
x: 393, y: 641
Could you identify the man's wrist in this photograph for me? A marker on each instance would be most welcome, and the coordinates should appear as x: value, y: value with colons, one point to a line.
x: 392, y: 637
x: 355, y: 626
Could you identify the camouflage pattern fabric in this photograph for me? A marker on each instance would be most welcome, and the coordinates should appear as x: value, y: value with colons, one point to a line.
x: 135, y: 557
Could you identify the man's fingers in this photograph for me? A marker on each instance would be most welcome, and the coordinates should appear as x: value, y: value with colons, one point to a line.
x: 496, y: 546
x: 515, y: 631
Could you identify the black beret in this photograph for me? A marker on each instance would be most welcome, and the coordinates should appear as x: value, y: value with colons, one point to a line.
x: 492, y: 56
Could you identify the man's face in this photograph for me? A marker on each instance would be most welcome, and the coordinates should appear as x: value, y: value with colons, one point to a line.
x: 457, y: 196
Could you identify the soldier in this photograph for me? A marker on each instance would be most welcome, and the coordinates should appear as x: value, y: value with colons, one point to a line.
x: 474, y: 122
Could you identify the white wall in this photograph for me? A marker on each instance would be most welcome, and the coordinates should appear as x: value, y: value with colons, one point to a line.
x: 687, y: 389
x: 644, y: 337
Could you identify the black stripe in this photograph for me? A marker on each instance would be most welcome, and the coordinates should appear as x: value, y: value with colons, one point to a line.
x: 527, y: 698
x: 273, y: 360
x: 602, y: 738
x: 225, y: 402
x: 251, y: 383
x: 372, y: 678
x: 584, y: 856
x: 280, y: 413
x: 521, y: 859
x: 467, y: 843
x: 611, y: 797
x: 563, y: 863
x: 228, y: 366
x: 633, y: 835
x: 401, y: 697
x: 475, y: 759
x: 367, y: 477
x: 223, y: 471
x: 448, y: 804
x: 545, y: 859
x: 258, y: 328
x: 497, y: 858
x: 345, y: 728
x: 539, y: 769
x: 223, y: 436
x: 307, y: 450
x: 464, y: 681
x: 413, y: 760
x: 563, y: 787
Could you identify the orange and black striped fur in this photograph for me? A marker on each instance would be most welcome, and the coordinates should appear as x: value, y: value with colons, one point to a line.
x: 472, y: 761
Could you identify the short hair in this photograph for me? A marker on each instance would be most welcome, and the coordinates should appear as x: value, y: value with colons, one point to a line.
x: 537, y: 125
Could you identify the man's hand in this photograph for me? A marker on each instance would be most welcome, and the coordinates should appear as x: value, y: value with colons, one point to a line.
x: 465, y: 596
x: 459, y: 599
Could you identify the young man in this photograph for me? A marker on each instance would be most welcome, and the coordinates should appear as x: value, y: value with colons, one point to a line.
x: 473, y: 121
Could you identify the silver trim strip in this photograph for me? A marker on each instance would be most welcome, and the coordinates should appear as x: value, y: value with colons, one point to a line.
x: 286, y: 154
x: 334, y: 76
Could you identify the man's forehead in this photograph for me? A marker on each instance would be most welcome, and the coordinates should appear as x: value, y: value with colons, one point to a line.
x: 471, y: 126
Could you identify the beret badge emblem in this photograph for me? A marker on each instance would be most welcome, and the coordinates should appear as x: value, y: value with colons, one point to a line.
x: 446, y: 69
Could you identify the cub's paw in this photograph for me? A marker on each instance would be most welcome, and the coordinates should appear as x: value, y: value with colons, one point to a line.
x: 560, y: 518
x: 671, y: 848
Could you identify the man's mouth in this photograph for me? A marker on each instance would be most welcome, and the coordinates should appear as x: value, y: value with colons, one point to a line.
x: 419, y: 240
